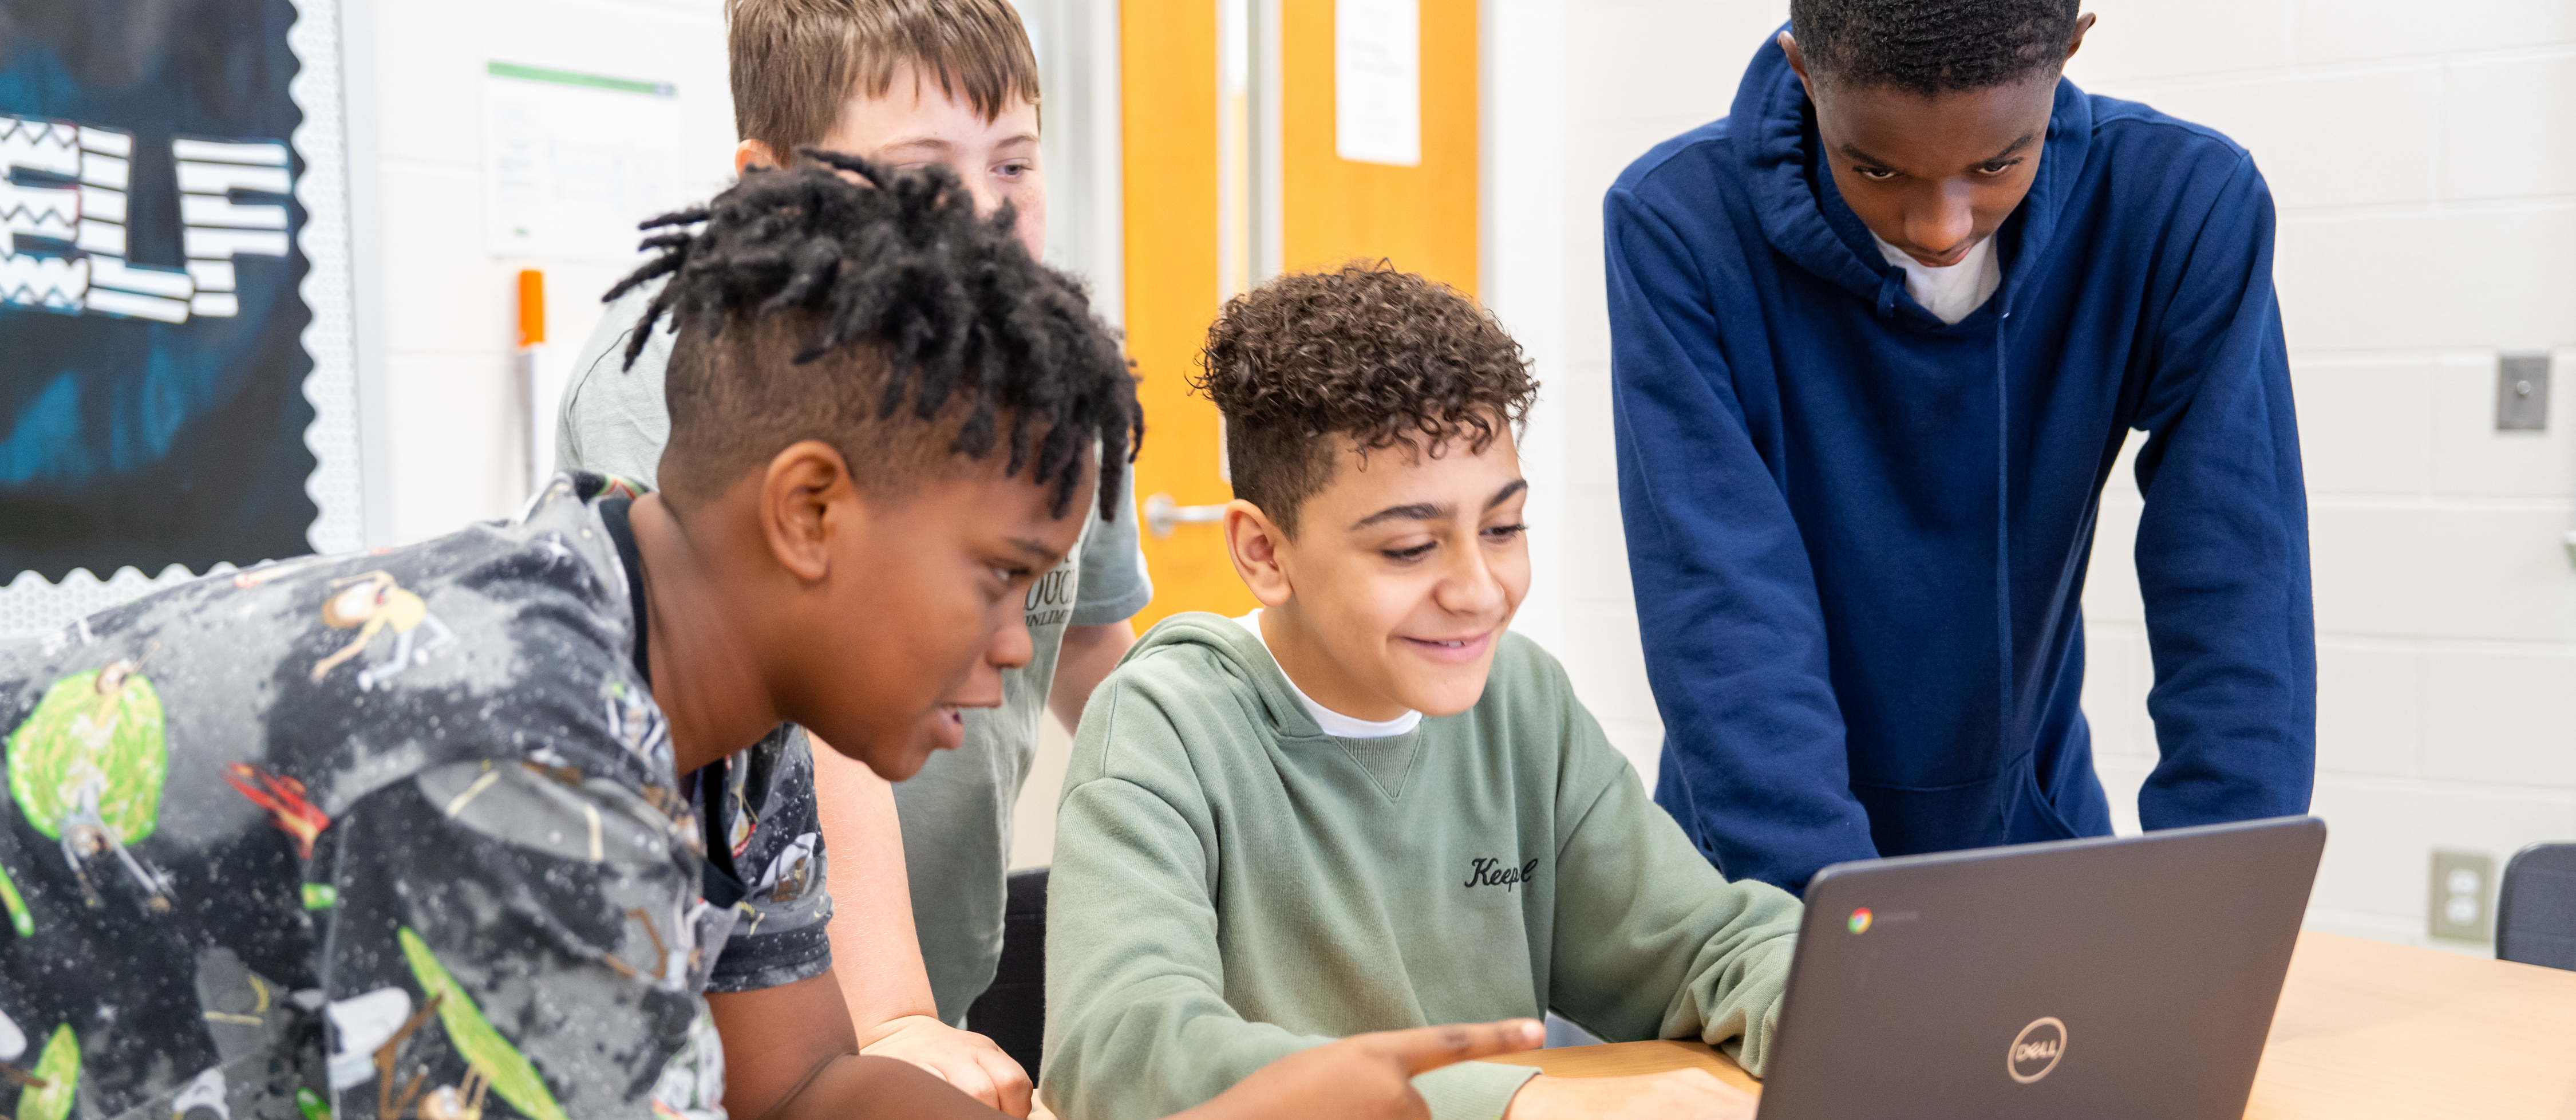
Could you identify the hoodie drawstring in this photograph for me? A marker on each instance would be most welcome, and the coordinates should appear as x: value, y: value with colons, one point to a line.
x: 2003, y: 535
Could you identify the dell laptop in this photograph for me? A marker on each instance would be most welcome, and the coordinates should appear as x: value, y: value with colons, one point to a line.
x: 2106, y: 978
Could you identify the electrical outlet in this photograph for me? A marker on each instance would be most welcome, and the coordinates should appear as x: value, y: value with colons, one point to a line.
x: 2522, y: 392
x: 2461, y: 903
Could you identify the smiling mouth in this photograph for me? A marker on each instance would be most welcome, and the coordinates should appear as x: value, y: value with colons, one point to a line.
x: 1453, y: 649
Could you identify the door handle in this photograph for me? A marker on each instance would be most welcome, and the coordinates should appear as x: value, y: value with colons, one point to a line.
x: 1162, y: 515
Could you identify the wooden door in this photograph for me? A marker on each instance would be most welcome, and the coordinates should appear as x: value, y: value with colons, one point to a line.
x: 1168, y: 129
x: 1328, y: 210
x: 1423, y: 218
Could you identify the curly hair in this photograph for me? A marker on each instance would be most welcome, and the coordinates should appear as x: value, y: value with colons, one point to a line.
x: 811, y: 307
x: 1383, y: 357
x: 1932, y: 46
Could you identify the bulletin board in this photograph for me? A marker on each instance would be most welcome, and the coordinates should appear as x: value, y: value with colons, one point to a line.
x: 177, y: 381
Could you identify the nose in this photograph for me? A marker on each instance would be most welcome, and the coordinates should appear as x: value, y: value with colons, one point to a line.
x: 1470, y: 588
x: 1944, y: 221
x: 988, y: 198
x: 1011, y: 647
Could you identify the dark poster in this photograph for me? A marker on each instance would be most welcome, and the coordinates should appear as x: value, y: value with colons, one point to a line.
x: 153, y: 360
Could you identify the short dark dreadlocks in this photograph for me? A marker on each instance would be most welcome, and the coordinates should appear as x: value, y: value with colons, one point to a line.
x: 810, y: 307
x: 1931, y: 46
x: 1382, y: 357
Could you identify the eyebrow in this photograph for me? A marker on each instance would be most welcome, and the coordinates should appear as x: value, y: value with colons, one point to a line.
x: 1418, y: 511
x: 2018, y: 144
x: 1853, y: 151
x: 1036, y: 549
x: 1435, y: 511
x: 942, y: 144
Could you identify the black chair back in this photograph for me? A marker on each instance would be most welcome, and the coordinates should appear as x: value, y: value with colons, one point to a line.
x: 2536, y: 907
x: 1013, y: 1011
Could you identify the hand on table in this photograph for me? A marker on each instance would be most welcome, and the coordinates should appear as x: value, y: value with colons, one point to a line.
x: 969, y: 1061
x: 1681, y: 1094
x: 1365, y: 1076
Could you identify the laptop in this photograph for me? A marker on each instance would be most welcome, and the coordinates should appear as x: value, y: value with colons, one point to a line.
x: 2102, y: 978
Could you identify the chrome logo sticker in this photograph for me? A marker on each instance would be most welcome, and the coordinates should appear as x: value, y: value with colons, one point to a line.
x: 1860, y: 920
x: 2035, y: 1050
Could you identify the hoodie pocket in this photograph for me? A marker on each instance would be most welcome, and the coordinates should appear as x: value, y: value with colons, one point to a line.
x: 1905, y: 820
x: 2035, y: 817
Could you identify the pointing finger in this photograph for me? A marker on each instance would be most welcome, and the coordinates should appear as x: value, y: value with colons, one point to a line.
x: 1428, y: 1048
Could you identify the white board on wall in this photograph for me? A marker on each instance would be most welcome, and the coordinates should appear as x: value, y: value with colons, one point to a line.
x: 1377, y: 81
x: 573, y: 161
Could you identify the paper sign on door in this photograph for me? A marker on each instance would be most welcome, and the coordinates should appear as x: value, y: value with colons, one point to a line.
x: 1377, y: 81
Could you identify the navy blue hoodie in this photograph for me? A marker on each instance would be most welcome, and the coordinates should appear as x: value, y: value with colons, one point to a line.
x: 1859, y: 536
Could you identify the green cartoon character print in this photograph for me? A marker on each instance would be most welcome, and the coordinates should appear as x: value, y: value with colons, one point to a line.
x: 492, y: 1063
x: 410, y: 840
x: 87, y: 769
x: 47, y: 1091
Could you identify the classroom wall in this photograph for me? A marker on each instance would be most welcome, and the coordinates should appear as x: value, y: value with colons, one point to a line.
x: 437, y: 309
x: 2423, y: 158
x: 1579, y: 88
x: 2424, y: 161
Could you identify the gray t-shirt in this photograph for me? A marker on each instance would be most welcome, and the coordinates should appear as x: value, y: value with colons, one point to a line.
x: 956, y: 813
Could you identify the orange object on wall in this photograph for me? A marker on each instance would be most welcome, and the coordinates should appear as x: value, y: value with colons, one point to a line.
x: 532, y: 307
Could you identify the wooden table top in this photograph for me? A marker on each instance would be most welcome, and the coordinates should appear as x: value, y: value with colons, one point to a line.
x: 2364, y: 1030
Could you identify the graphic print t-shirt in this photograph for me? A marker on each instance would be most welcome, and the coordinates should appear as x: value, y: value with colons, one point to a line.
x: 379, y: 835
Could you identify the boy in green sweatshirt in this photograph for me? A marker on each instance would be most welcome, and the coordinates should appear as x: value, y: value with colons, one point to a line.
x: 1368, y: 804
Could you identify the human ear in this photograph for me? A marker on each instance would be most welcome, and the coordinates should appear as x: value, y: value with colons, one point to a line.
x: 1797, y: 62
x: 806, y: 497
x: 753, y: 152
x: 1254, y: 542
x: 2083, y: 23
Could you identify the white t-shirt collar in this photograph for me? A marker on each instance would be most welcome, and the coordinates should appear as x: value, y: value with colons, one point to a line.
x: 1334, y: 723
x: 1950, y: 294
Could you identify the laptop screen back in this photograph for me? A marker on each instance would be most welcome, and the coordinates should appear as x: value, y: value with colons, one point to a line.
x: 2105, y: 978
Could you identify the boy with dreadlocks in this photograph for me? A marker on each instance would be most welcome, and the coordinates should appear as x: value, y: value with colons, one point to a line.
x: 1878, y: 337
x: 511, y: 884
x: 907, y: 83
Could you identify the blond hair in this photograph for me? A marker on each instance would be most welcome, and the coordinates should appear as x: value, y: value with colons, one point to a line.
x: 795, y: 62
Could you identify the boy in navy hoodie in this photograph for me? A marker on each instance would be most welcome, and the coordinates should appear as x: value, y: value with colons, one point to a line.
x: 1878, y: 336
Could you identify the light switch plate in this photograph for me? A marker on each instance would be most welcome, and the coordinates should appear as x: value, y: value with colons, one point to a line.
x: 2462, y: 902
x: 2522, y: 392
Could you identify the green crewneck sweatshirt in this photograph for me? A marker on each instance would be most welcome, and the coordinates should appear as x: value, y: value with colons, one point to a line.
x: 1232, y: 885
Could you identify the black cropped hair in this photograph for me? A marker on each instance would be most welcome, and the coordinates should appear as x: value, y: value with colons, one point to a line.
x: 886, y: 319
x: 1931, y: 46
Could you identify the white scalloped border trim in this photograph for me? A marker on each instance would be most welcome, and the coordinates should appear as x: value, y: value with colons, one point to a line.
x: 329, y: 287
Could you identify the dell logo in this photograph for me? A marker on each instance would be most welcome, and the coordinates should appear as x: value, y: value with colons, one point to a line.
x: 2035, y: 1050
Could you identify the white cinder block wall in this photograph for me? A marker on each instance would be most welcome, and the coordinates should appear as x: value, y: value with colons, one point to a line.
x: 1575, y: 89
x: 437, y: 309
x: 2423, y: 158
